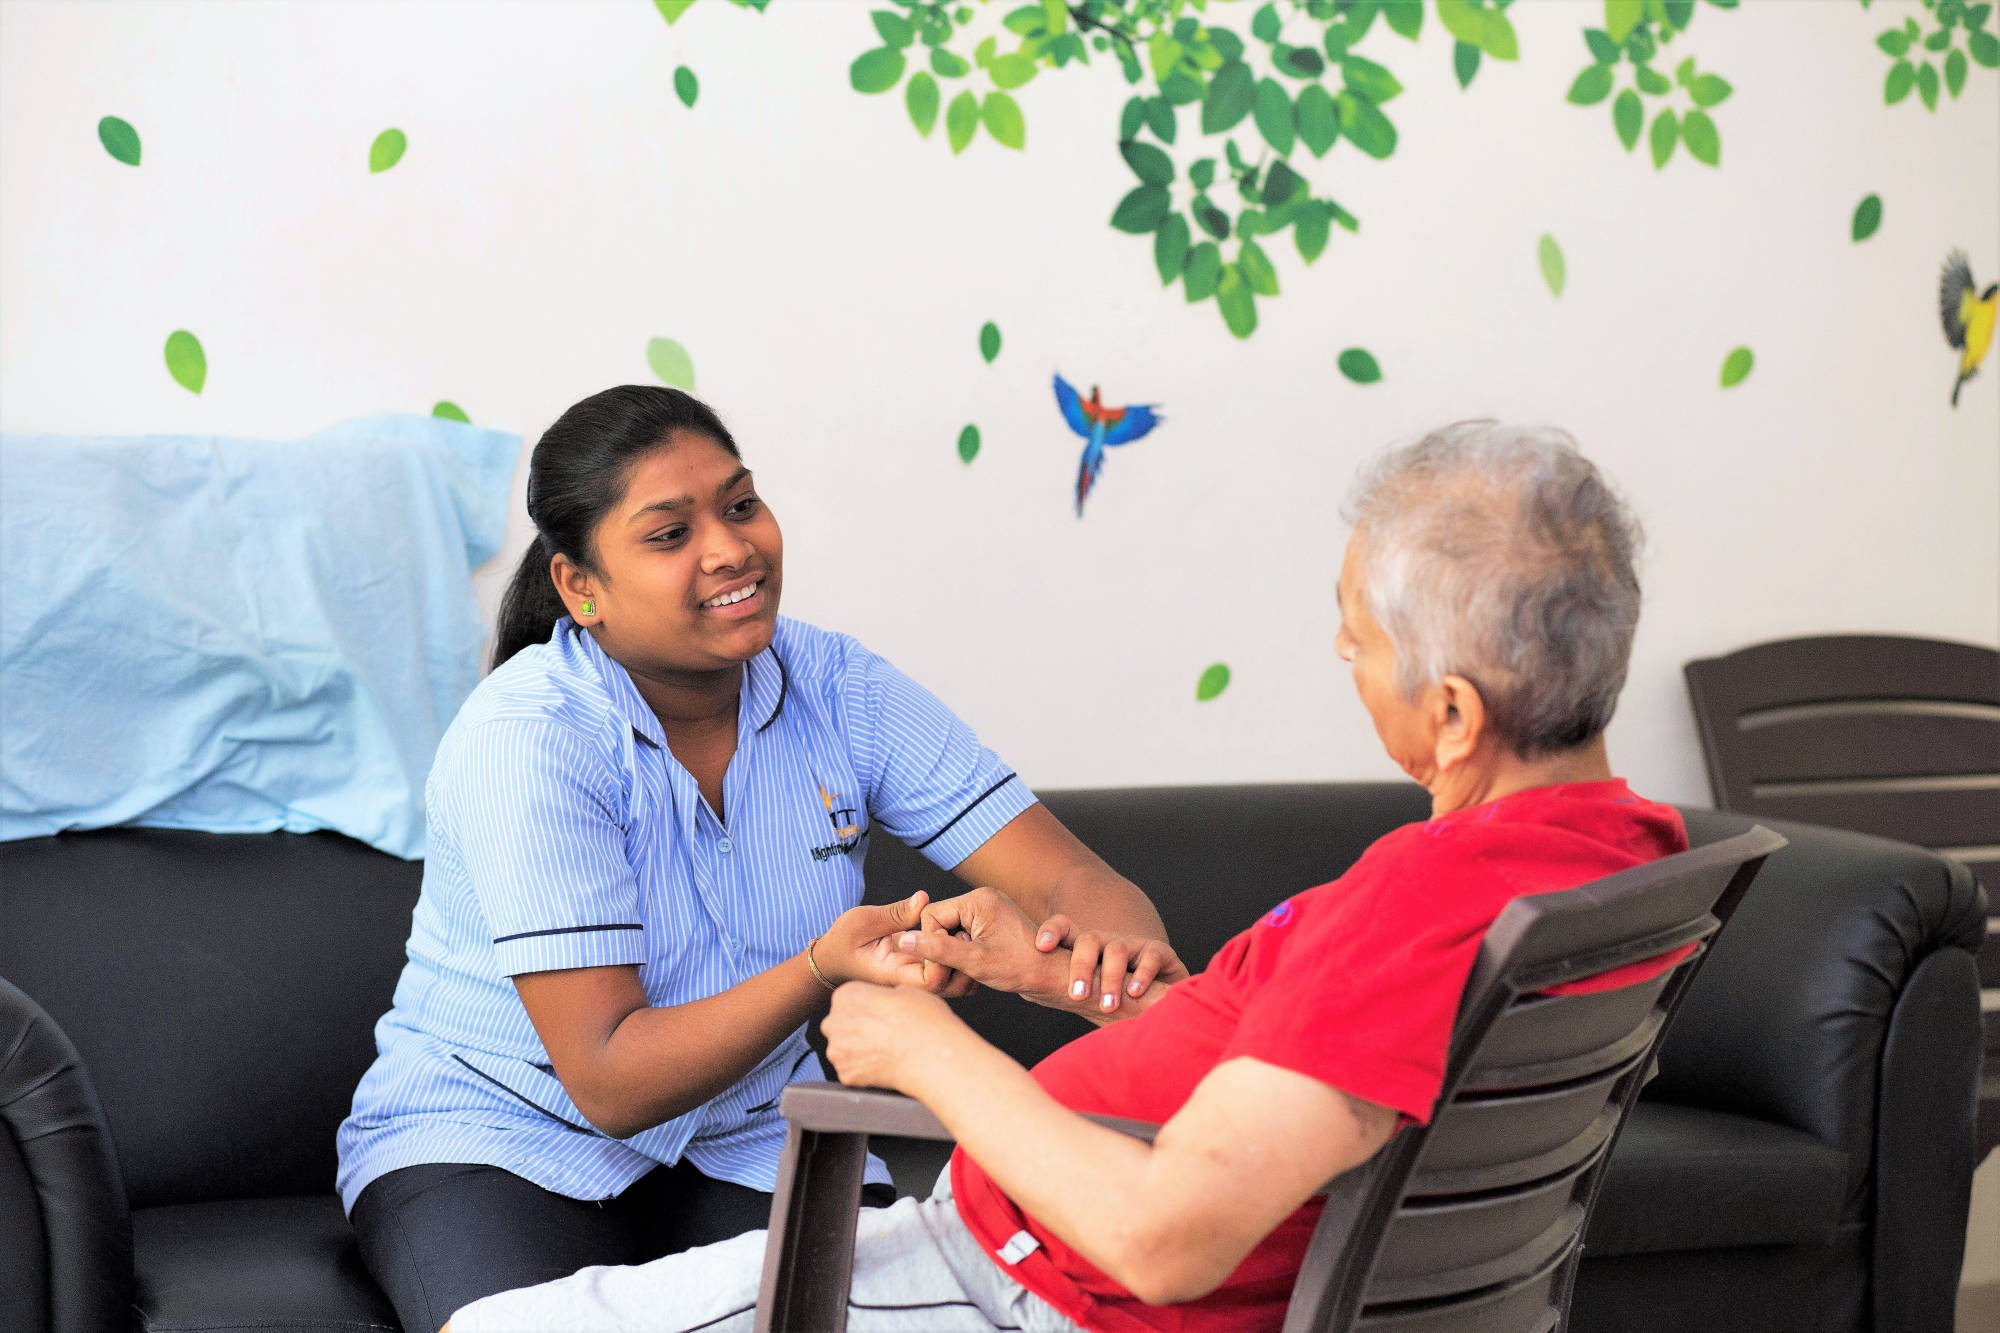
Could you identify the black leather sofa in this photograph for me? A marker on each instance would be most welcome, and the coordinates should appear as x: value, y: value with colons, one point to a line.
x: 1803, y: 1161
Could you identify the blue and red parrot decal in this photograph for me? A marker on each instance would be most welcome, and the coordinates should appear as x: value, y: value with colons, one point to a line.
x: 1100, y: 426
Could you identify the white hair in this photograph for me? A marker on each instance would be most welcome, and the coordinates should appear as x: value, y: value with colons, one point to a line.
x: 1500, y: 554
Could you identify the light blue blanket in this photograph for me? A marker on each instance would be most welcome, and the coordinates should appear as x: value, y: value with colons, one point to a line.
x: 240, y: 635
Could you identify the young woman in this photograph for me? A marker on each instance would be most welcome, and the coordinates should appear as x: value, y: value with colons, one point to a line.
x: 647, y: 828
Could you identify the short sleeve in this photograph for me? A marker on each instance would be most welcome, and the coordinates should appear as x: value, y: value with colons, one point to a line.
x: 536, y: 824
x: 1362, y: 998
x: 929, y: 780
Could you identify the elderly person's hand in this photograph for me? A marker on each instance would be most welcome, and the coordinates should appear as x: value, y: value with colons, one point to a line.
x: 873, y: 1032
x: 983, y: 936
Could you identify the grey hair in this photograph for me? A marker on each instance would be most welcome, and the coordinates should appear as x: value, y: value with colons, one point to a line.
x: 1500, y: 553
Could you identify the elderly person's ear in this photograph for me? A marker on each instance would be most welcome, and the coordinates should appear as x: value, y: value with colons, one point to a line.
x: 1459, y: 722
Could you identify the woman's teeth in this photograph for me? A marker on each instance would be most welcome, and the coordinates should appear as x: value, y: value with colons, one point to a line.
x: 731, y: 598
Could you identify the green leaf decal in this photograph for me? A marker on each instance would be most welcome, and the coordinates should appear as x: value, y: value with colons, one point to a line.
x: 1369, y: 79
x: 1461, y: 19
x: 1902, y: 78
x: 1652, y: 82
x: 1274, y: 115
x: 1465, y: 63
x: 1500, y: 42
x: 1954, y: 72
x: 1011, y: 71
x: 1202, y: 173
x: 989, y: 341
x: 1602, y: 49
x: 1665, y: 134
x: 1148, y: 163
x: 921, y: 99
x: 1867, y: 217
x: 1204, y: 271
x: 686, y: 86
x: 1366, y: 126
x: 1985, y: 48
x: 961, y: 120
x: 1359, y: 366
x: 968, y: 444
x: 1621, y: 16
x: 1170, y: 247
x: 1592, y: 86
x: 1236, y: 301
x: 185, y: 360
x: 119, y: 139
x: 1406, y: 17
x: 671, y: 363
x: 1257, y: 269
x: 1131, y: 119
x: 1281, y: 185
x: 1002, y: 118
x: 1213, y: 681
x: 1553, y: 271
x: 1704, y: 144
x: 1627, y: 116
x: 1736, y: 367
x: 450, y: 411
x: 1895, y: 43
x: 1231, y: 94
x: 1927, y: 85
x: 948, y: 65
x: 387, y: 150
x: 1142, y: 210
x: 1310, y: 232
x: 895, y: 30
x: 876, y: 71
x: 672, y: 9
x: 1319, y: 123
x: 1709, y: 90
x: 1160, y: 119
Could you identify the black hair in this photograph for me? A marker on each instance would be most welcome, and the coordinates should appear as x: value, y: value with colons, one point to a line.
x: 579, y: 470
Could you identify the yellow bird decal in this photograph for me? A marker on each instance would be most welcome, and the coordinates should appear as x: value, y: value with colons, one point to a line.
x: 1968, y: 319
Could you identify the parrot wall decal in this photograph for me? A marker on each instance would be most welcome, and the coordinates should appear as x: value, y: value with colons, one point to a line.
x: 1968, y: 319
x: 1100, y: 426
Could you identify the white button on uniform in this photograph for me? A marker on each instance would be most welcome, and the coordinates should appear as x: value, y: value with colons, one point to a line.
x: 725, y: 845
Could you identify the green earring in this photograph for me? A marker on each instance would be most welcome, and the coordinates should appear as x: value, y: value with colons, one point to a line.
x: 589, y: 607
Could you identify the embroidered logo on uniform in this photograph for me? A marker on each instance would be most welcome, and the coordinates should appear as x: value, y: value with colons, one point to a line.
x: 1281, y: 915
x: 846, y: 832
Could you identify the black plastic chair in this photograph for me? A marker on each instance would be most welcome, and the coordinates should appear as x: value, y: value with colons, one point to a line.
x: 1473, y: 1222
x: 1898, y: 737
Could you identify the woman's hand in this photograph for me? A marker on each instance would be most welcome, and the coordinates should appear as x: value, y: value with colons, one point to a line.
x: 860, y: 945
x: 874, y: 1032
x: 1098, y: 962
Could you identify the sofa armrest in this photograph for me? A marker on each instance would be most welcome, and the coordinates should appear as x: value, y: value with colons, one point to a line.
x: 65, y: 1232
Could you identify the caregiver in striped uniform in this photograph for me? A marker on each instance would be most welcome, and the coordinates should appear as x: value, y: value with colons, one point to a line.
x: 646, y: 833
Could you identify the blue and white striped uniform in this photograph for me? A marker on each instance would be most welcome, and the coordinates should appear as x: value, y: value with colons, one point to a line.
x: 563, y: 833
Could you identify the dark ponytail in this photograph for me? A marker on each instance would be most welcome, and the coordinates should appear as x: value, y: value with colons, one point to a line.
x: 579, y: 470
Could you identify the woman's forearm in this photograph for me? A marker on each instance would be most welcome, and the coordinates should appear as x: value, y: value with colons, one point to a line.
x: 1096, y: 897
x: 658, y: 1063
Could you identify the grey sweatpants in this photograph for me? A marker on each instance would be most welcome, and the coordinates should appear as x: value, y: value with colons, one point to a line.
x: 916, y: 1270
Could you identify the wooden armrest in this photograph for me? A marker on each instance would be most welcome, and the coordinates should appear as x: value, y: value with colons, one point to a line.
x: 834, y: 1108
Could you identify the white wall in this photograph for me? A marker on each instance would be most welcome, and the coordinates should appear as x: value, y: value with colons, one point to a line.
x: 829, y: 271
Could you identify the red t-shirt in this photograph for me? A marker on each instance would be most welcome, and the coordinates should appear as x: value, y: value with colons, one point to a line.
x: 1354, y: 983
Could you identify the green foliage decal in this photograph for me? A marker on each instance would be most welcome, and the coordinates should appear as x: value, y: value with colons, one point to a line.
x: 1736, y: 367
x: 1359, y: 366
x: 1218, y: 130
x: 686, y: 86
x: 186, y: 362
x: 450, y: 411
x: 1478, y: 28
x: 1634, y: 35
x: 1213, y: 682
x: 672, y: 9
x: 671, y: 363
x: 119, y: 139
x: 968, y: 444
x: 1867, y: 217
x: 989, y: 341
x: 387, y: 150
x: 1554, y: 273
x: 1912, y: 52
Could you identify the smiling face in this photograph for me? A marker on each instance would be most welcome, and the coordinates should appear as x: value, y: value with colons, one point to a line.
x: 689, y: 565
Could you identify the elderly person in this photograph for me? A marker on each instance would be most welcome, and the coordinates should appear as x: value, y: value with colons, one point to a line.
x: 1487, y: 604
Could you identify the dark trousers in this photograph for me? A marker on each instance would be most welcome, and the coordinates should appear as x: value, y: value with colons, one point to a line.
x: 441, y: 1236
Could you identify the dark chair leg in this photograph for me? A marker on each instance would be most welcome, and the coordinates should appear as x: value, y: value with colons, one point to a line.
x: 809, y: 1255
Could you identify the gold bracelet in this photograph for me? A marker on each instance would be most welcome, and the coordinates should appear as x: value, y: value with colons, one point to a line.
x: 818, y: 975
